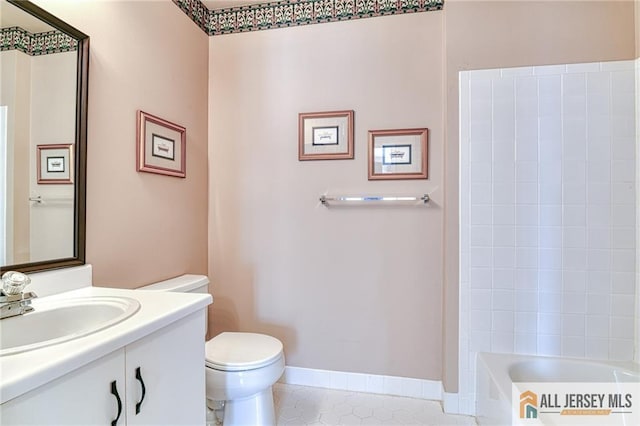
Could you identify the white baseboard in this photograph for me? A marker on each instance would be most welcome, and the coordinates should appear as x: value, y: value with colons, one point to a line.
x: 369, y: 383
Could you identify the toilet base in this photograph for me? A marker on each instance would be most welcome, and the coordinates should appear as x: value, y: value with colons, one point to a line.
x: 255, y: 410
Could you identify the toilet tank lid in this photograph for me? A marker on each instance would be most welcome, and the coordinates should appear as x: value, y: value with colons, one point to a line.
x: 183, y: 283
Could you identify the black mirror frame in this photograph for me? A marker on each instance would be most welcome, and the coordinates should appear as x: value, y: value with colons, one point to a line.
x: 80, y: 185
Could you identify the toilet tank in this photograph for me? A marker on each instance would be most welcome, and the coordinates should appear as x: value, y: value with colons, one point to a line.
x: 183, y: 284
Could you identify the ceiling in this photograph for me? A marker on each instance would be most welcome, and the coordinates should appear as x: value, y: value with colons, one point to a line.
x: 223, y: 4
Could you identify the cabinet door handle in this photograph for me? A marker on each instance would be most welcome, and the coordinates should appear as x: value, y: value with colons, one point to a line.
x: 114, y: 392
x: 144, y: 390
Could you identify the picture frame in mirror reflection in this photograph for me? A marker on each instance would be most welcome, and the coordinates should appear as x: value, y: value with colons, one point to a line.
x: 325, y: 135
x: 161, y: 146
x: 55, y: 164
x: 398, y: 154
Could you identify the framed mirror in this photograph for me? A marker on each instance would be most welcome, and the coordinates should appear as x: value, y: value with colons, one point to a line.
x: 43, y: 139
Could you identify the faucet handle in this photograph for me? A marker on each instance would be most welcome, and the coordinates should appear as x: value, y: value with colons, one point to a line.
x: 14, y: 282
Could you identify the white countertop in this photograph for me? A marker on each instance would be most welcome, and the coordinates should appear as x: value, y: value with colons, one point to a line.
x: 22, y: 372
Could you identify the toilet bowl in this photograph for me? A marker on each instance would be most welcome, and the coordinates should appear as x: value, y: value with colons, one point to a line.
x: 240, y: 368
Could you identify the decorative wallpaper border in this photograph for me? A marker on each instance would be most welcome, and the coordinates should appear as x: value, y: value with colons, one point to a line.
x: 289, y: 13
x: 16, y: 38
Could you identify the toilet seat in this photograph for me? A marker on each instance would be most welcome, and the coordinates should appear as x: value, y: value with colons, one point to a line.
x: 230, y: 351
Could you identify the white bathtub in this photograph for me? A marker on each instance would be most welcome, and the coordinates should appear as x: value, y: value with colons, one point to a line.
x: 495, y: 374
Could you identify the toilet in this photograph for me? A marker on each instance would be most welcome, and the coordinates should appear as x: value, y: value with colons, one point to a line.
x: 240, y: 368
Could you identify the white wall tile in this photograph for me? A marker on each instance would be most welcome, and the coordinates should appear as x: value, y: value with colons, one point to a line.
x: 573, y: 325
x: 617, y: 65
x: 598, y: 238
x: 599, y: 193
x: 623, y: 238
x: 573, y: 346
x: 504, y: 193
x: 623, y: 260
x: 598, y: 104
x: 623, y: 104
x: 549, y: 105
x: 620, y: 349
x: 623, y: 283
x: 526, y: 279
x: 563, y: 232
x: 598, y: 260
x: 598, y: 171
x: 502, y: 321
x: 549, y: 69
x: 574, y: 303
x: 504, y: 172
x: 583, y: 68
x: 598, y: 83
x: 574, y: 236
x: 504, y: 235
x: 550, y: 280
x: 574, y: 107
x: 502, y: 300
x: 574, y: 193
x: 481, y: 215
x: 519, y: 71
x: 623, y: 147
x: 549, y: 323
x: 598, y: 215
x: 550, y: 133
x: 502, y: 342
x: 503, y: 278
x: 550, y: 302
x: 574, y: 259
x: 623, y: 82
x: 550, y: 258
x: 551, y: 214
x: 598, y: 304
x: 599, y: 282
x: 574, y: 281
x: 526, y: 343
x: 480, y: 278
x: 597, y: 326
x: 621, y: 327
x: 574, y: 85
x: 549, y: 344
x: 597, y: 348
x: 623, y: 305
x: 623, y: 171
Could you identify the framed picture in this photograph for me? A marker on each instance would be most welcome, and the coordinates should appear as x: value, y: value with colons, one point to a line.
x: 161, y: 146
x: 55, y: 164
x: 325, y: 135
x: 398, y: 154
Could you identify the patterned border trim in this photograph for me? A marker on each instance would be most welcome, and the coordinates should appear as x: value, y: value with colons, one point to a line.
x: 289, y: 13
x: 16, y: 38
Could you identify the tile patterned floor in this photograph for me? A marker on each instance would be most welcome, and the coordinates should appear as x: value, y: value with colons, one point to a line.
x: 300, y: 405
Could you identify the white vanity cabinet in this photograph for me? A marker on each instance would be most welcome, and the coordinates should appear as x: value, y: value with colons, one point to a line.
x: 171, y: 365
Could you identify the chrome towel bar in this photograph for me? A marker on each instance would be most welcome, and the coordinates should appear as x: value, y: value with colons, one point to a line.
x: 326, y: 200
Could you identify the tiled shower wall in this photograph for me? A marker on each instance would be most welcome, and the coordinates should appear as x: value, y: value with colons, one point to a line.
x: 548, y: 213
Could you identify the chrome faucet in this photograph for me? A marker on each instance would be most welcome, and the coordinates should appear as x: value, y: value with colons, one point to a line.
x: 13, y: 300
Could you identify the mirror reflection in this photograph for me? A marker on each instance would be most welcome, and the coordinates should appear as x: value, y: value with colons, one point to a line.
x: 38, y: 139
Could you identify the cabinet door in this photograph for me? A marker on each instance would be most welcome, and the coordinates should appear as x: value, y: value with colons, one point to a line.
x: 171, y: 363
x: 82, y: 397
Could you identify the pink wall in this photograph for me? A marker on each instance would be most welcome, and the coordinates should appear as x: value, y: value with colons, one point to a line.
x: 347, y: 289
x: 146, y: 55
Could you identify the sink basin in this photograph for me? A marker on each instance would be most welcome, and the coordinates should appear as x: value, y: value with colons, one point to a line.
x: 57, y: 321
